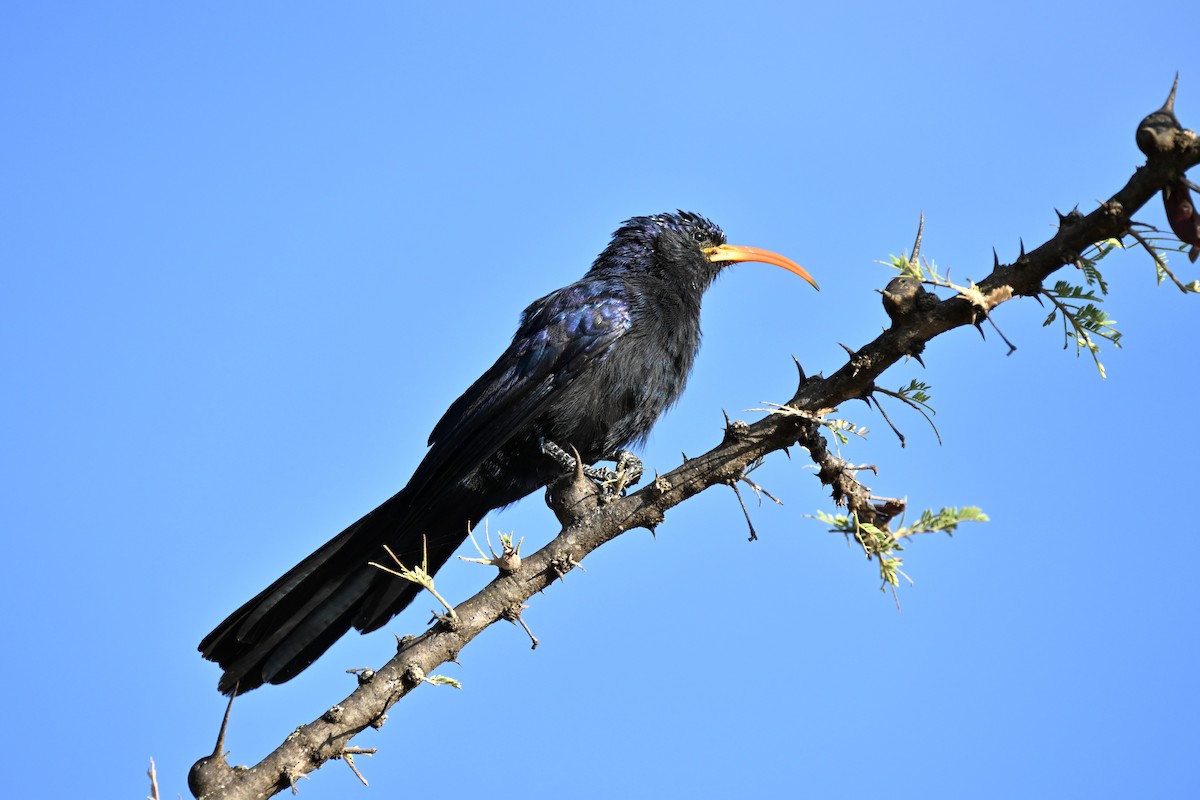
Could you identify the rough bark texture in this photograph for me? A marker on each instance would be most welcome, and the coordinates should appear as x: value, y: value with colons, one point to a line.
x: 917, y: 318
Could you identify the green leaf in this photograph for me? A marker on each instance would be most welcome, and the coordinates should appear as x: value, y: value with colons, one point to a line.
x: 442, y: 680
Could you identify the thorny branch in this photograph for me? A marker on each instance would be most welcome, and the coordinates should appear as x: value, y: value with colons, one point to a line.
x: 1171, y: 151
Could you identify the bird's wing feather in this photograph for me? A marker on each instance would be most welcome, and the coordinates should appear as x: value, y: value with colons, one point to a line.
x: 559, y: 336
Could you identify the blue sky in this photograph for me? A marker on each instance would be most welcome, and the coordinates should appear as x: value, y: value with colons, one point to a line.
x: 251, y: 253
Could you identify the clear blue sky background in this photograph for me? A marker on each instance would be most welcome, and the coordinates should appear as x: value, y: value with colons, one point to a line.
x: 250, y: 254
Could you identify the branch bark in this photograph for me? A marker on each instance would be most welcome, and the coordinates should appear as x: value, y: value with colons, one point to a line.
x: 1170, y: 150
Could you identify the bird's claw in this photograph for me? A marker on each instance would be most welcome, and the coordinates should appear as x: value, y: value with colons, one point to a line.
x: 628, y: 473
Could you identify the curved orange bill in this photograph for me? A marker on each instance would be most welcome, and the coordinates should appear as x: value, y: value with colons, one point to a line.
x: 732, y: 252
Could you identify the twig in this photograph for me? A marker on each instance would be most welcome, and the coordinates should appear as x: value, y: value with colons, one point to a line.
x: 1158, y: 259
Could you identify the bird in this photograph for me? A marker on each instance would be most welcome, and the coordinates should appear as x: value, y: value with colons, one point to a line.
x: 591, y: 368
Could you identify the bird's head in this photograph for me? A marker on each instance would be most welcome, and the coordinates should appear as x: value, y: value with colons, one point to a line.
x: 684, y: 248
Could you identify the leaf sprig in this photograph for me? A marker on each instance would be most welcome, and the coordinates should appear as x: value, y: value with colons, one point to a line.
x: 881, y: 545
x: 1083, y: 320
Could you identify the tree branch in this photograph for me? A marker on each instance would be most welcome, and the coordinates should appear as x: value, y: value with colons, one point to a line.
x: 917, y: 317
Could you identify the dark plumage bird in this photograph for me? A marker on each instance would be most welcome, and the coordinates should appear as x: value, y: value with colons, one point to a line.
x: 592, y: 366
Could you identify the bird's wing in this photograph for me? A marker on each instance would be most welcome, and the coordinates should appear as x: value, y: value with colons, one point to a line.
x: 559, y: 337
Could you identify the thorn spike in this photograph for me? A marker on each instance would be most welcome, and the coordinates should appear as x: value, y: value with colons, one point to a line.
x: 1169, y: 106
x: 800, y: 370
x: 916, y: 248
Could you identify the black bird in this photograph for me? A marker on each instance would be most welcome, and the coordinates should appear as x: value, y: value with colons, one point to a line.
x: 592, y: 366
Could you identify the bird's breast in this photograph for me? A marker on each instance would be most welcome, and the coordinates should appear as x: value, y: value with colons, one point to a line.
x: 624, y: 393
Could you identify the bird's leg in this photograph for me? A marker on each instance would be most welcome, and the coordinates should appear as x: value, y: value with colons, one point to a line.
x: 564, y: 459
x: 567, y: 462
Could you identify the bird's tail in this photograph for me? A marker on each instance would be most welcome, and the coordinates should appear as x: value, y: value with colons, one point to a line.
x: 279, y: 633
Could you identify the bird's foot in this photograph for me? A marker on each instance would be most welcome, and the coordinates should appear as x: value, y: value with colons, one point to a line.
x: 628, y: 473
x: 611, y: 482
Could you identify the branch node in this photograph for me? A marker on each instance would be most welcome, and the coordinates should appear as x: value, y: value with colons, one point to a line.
x: 735, y: 431
x: 564, y: 563
x: 513, y: 615
x: 364, y: 675
x: 448, y: 620
x: 1156, y: 133
x: 509, y: 559
x: 1071, y: 218
x: 414, y: 675
x: 904, y: 297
